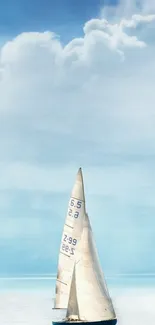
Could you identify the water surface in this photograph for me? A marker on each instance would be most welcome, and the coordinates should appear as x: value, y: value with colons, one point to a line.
x: 29, y: 300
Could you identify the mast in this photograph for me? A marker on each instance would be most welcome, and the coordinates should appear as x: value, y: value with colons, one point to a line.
x: 70, y: 239
x: 91, y: 287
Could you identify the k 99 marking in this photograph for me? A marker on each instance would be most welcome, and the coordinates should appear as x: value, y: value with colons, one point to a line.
x: 70, y: 240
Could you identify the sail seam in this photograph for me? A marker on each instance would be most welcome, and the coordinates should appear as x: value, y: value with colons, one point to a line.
x: 62, y: 282
x: 73, y: 197
x: 64, y: 254
x: 69, y: 226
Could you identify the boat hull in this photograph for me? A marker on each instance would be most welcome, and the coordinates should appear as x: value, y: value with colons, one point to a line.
x: 102, y: 322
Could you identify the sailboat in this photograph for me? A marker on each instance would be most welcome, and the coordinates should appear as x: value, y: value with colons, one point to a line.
x: 81, y: 289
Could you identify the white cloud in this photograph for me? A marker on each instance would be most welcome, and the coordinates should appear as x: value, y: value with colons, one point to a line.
x: 114, y: 34
x: 136, y: 20
x: 79, y: 91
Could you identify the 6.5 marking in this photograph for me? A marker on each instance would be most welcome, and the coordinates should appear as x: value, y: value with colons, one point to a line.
x: 75, y: 203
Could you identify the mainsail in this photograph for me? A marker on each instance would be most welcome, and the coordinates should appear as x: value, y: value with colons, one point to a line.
x: 91, y: 287
x: 70, y: 239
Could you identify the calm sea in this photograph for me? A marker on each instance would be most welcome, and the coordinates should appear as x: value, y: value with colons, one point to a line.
x: 28, y: 300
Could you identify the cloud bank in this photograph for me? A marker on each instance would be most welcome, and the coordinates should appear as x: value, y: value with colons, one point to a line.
x: 89, y: 102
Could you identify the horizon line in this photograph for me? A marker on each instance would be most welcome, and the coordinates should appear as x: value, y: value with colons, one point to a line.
x: 53, y: 276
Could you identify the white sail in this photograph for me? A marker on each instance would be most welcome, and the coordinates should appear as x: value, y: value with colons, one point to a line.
x: 70, y: 238
x: 72, y: 309
x: 93, y: 298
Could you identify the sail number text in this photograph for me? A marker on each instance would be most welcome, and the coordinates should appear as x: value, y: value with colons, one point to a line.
x: 74, y: 204
x: 73, y: 214
x: 68, y: 249
x: 70, y: 240
x: 66, y: 246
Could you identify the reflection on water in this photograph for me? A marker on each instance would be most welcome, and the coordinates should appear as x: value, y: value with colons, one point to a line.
x: 28, y: 301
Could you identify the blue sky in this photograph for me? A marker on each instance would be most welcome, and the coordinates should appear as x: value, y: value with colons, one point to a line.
x: 84, y: 98
x: 65, y: 17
